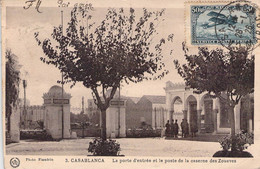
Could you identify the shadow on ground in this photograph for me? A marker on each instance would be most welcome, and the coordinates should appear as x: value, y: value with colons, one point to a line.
x: 200, y: 137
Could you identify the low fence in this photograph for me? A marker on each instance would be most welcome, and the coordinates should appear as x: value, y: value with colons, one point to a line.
x: 87, y: 132
x: 35, y: 134
x: 90, y: 132
x: 141, y: 133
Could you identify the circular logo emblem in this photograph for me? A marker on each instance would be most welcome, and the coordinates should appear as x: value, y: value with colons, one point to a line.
x: 14, y: 162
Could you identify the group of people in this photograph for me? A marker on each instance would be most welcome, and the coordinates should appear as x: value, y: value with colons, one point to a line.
x: 172, y: 129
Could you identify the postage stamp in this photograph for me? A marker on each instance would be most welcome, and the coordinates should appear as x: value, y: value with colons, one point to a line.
x: 222, y: 24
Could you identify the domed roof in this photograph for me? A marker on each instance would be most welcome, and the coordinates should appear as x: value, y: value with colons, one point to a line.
x: 56, y: 90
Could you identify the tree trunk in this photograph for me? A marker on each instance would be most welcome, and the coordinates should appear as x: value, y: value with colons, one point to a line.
x: 9, y: 123
x: 232, y: 125
x: 83, y: 130
x: 103, y: 125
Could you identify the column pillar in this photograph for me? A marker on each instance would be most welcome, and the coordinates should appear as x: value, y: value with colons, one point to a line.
x: 215, y: 111
x: 237, y: 117
x: 171, y: 113
x: 15, y: 125
x: 199, y: 120
x: 250, y: 125
x: 250, y: 115
x: 185, y: 116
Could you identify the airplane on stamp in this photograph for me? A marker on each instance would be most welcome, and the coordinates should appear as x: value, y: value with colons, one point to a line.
x: 219, y: 19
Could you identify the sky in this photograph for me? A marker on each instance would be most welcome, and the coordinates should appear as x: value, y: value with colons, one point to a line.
x: 21, y: 25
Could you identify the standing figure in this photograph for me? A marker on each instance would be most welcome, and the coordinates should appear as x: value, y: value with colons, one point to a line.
x: 167, y: 130
x: 186, y: 128
x: 172, y: 128
x: 193, y: 129
x: 182, y: 128
x: 176, y: 129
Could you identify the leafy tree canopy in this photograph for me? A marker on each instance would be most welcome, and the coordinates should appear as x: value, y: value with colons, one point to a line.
x: 12, y: 81
x: 228, y: 75
x: 120, y: 48
x: 101, y: 56
x: 217, y: 71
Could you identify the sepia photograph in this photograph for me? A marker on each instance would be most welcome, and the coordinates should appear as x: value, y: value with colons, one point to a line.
x: 150, y: 84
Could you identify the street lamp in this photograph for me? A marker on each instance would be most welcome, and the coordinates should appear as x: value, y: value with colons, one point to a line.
x: 62, y: 83
x: 24, y: 104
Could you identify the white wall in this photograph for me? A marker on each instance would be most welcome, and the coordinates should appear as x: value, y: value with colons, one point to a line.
x: 54, y: 120
x: 15, y: 125
x: 112, y: 123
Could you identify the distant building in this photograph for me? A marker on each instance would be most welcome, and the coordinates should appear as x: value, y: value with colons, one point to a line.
x: 31, y: 116
x: 134, y: 112
x: 77, y: 110
x: 21, y: 102
x: 149, y: 110
x: 92, y: 108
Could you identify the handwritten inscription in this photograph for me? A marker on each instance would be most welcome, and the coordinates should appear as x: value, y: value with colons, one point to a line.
x: 61, y: 3
x: 86, y: 6
x: 29, y: 3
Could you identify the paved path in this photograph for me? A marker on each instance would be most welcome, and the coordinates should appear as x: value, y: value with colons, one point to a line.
x: 129, y: 146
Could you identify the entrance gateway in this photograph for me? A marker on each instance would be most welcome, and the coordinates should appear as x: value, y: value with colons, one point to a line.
x: 208, y: 114
x: 56, y: 103
x: 57, y: 112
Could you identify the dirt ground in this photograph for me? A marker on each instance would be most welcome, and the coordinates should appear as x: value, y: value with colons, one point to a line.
x: 129, y: 147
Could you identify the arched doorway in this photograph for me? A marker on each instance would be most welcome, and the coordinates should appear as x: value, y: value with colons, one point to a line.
x: 192, y: 112
x: 177, y: 107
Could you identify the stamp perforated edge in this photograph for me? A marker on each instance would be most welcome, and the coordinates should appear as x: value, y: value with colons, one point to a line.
x: 187, y: 24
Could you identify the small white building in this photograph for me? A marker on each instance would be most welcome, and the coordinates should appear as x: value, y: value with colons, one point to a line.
x: 57, y: 112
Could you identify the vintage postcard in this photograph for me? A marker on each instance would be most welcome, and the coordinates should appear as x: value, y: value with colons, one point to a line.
x: 127, y: 83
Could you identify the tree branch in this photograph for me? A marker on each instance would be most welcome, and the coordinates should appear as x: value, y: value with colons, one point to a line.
x: 99, y: 103
x: 220, y: 97
x: 103, y: 91
x: 111, y: 95
x: 238, y: 98
x: 231, y: 96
